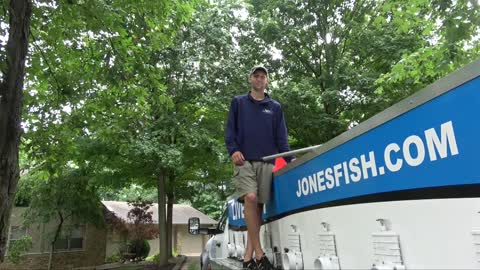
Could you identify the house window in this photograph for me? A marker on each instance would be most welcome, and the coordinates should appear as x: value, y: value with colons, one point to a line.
x: 17, y: 233
x: 71, y: 240
x: 76, y: 238
x: 61, y: 243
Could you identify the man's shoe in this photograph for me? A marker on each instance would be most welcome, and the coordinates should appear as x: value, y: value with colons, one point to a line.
x: 251, y: 265
x: 264, y: 263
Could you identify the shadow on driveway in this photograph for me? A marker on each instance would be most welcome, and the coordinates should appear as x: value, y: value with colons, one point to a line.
x: 192, y: 263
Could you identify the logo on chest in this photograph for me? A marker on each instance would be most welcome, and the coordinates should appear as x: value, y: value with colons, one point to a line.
x: 267, y: 111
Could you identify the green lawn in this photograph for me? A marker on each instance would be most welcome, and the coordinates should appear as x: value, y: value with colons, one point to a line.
x: 193, y: 266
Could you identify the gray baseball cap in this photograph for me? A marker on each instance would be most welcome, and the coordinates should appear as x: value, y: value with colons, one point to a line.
x: 255, y: 68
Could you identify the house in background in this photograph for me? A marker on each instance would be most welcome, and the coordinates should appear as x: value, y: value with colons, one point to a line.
x: 182, y: 241
x: 85, y: 245
x: 82, y: 245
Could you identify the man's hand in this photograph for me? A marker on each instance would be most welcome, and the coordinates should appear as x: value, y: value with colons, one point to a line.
x: 238, y: 158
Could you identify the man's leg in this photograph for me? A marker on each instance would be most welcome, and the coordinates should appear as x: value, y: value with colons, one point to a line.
x: 253, y: 226
x: 258, y: 254
x: 264, y: 179
x: 249, y: 249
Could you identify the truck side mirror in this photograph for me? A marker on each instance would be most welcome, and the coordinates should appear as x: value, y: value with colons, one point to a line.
x: 194, y: 225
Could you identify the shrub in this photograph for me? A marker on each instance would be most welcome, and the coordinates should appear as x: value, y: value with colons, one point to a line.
x: 114, y: 258
x: 153, y: 258
x: 18, y: 248
x: 140, y: 248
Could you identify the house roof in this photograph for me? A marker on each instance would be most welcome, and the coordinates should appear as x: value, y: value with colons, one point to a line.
x: 181, y: 212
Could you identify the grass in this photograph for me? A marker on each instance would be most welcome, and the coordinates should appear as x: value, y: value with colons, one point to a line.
x: 154, y: 258
x: 193, y: 266
x: 141, y: 267
x: 132, y: 267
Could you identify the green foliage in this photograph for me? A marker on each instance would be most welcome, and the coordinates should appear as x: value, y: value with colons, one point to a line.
x: 343, y: 61
x: 68, y: 196
x: 18, y: 248
x: 154, y: 258
x: 178, y: 129
x: 25, y: 188
x: 82, y: 49
x: 95, y: 81
x: 209, y: 198
x: 452, y: 27
x: 332, y: 53
x: 114, y: 258
x: 129, y: 193
x: 139, y: 247
x: 193, y: 266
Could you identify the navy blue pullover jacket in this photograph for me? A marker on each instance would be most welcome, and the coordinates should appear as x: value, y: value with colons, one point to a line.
x: 256, y: 128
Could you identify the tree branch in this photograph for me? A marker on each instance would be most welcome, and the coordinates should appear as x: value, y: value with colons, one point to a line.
x: 50, y: 69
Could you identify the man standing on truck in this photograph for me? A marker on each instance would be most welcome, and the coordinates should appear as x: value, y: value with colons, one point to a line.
x: 255, y: 128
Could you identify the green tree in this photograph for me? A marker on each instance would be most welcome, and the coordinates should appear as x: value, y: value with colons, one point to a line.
x: 331, y: 53
x: 94, y: 69
x: 451, y: 34
x: 335, y: 55
x: 177, y: 136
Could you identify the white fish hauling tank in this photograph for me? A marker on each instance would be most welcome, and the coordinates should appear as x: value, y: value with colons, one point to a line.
x: 399, y: 191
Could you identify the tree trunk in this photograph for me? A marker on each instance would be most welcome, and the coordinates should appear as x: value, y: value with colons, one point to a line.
x: 170, y: 200
x: 11, y: 87
x: 55, y: 238
x: 162, y: 224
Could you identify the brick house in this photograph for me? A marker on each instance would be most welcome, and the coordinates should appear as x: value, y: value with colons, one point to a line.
x: 85, y: 245
x: 81, y: 246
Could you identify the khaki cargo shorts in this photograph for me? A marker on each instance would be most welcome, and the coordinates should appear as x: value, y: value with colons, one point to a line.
x: 253, y: 177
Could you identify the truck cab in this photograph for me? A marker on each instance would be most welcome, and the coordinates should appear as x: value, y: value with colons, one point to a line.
x: 218, y: 249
